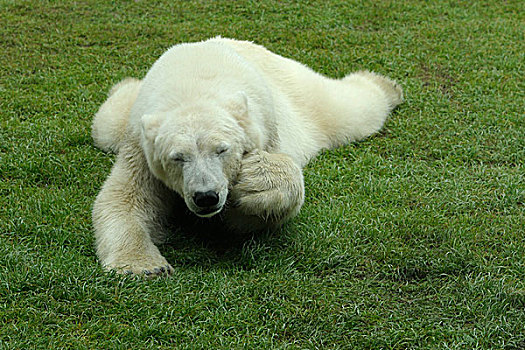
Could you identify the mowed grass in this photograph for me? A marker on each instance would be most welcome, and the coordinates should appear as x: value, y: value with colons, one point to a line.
x: 411, y: 239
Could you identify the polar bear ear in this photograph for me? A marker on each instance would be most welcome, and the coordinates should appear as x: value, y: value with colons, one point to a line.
x: 240, y: 101
x: 238, y: 107
x: 150, y: 125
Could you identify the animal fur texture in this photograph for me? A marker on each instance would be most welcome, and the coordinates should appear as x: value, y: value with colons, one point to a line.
x: 224, y: 127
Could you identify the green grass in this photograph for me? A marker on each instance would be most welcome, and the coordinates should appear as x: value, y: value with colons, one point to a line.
x: 412, y: 239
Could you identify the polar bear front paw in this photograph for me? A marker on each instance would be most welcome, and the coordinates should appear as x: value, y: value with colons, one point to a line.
x: 147, y: 266
x: 269, y: 186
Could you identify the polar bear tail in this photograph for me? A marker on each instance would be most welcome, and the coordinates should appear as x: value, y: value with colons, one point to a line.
x: 111, y: 121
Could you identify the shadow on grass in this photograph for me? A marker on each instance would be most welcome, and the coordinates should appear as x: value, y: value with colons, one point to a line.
x: 207, y: 243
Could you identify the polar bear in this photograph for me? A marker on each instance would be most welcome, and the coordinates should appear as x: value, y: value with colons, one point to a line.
x: 220, y: 130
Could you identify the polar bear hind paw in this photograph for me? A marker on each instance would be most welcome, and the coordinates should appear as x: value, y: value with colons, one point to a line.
x: 392, y: 90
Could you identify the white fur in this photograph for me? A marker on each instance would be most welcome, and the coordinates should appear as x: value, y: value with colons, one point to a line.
x: 227, y: 117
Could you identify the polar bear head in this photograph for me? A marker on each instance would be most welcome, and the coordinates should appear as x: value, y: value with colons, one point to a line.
x: 196, y: 150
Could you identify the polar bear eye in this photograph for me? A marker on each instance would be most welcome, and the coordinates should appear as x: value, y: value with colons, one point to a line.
x: 222, y: 149
x: 178, y: 157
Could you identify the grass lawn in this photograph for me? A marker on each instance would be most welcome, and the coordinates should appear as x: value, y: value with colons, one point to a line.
x: 412, y: 239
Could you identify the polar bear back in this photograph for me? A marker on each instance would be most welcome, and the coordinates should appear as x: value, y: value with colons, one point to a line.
x: 198, y: 73
x: 315, y: 112
x: 297, y: 111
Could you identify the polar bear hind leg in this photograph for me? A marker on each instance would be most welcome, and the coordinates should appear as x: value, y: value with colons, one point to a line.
x: 356, y: 107
x: 370, y: 98
x: 392, y: 90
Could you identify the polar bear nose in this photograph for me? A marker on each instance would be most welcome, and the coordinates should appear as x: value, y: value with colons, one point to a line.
x: 206, y: 199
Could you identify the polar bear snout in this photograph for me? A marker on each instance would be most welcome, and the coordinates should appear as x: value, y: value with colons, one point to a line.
x: 206, y: 199
x: 206, y: 204
x: 205, y: 186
